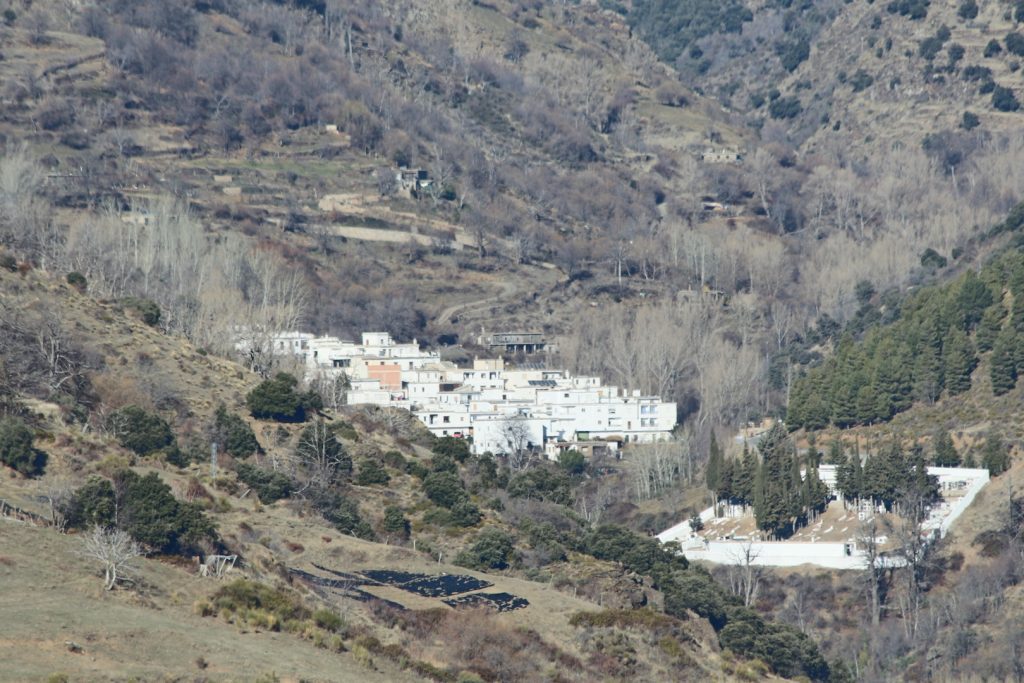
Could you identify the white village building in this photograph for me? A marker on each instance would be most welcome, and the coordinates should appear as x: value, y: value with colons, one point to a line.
x: 500, y: 409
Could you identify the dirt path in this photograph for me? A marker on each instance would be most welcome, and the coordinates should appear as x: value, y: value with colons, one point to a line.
x: 508, y: 290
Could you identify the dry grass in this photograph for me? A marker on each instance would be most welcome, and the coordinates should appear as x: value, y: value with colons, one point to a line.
x: 53, y: 597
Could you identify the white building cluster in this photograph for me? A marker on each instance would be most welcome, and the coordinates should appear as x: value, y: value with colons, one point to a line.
x: 502, y: 409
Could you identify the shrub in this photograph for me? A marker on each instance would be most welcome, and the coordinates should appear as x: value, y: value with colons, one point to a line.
x: 465, y: 513
x: 785, y: 108
x: 542, y: 483
x: 243, y: 594
x: 395, y: 460
x: 968, y: 9
x: 1014, y: 44
x: 343, y: 513
x: 969, y: 121
x: 444, y: 488
x: 269, y: 486
x: 233, y: 434
x: 328, y: 620
x: 16, y: 449
x: 573, y: 462
x: 861, y: 80
x: 992, y: 49
x: 452, y: 447
x: 395, y: 521
x: 277, y: 399
x: 139, y: 431
x: 1003, y: 99
x: 492, y: 550
x: 77, y: 280
x: 145, y: 508
x: 371, y: 472
x: 148, y: 311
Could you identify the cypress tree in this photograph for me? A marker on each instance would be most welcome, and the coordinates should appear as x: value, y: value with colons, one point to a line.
x: 960, y: 361
x: 726, y: 490
x: 836, y: 454
x: 1003, y: 367
x: 713, y: 471
x: 945, y: 451
x: 969, y: 460
x: 744, y: 474
x: 994, y: 455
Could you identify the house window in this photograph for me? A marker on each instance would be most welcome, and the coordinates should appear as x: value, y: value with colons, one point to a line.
x: 446, y: 419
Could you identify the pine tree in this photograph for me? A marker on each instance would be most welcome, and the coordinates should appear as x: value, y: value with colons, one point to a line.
x: 928, y: 368
x: 988, y: 328
x: 994, y: 455
x: 945, y: 451
x: 960, y: 361
x: 973, y: 298
x: 1003, y: 367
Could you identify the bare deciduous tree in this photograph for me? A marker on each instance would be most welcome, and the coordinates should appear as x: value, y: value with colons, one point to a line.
x: 115, y: 550
x: 515, y: 430
x: 745, y: 575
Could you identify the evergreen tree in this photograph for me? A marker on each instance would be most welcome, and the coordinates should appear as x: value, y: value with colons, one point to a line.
x: 726, y: 490
x: 994, y: 455
x: 713, y: 471
x: 945, y: 451
x: 774, y: 490
x: 893, y: 379
x: 960, y: 361
x: 744, y: 474
x: 928, y: 368
x: 836, y: 453
x: 988, y: 328
x: 867, y: 405
x: 969, y: 460
x: 973, y: 298
x: 1003, y: 368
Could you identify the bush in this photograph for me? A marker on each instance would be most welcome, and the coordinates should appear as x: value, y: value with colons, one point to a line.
x: 992, y: 49
x: 542, y: 483
x: 1014, y: 44
x: 139, y: 431
x: 444, y: 489
x: 343, y: 513
x: 968, y: 9
x: 371, y: 472
x: 492, y: 550
x: 16, y: 449
x: 269, y: 486
x: 148, y: 311
x: 78, y: 281
x: 1003, y: 99
x: 457, y: 449
x: 785, y: 108
x: 277, y: 399
x: 969, y: 121
x: 242, y: 594
x: 861, y: 80
x: 234, y: 434
x: 328, y: 620
x: 573, y: 462
x: 395, y: 460
x: 395, y: 521
x: 145, y: 508
x: 465, y: 513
